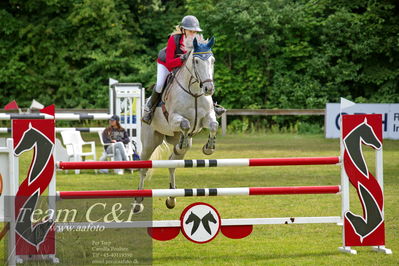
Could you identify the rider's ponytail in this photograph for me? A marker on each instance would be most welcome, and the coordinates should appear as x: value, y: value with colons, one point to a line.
x: 178, y: 30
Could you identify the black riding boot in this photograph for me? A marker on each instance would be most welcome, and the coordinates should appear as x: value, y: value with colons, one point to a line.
x: 219, y: 110
x: 150, y: 107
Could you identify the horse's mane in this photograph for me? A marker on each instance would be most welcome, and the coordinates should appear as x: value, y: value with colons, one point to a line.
x: 188, y: 42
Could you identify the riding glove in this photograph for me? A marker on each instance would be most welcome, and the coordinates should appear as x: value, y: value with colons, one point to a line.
x: 183, y: 57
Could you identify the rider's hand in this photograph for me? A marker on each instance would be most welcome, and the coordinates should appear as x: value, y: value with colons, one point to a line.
x: 183, y: 57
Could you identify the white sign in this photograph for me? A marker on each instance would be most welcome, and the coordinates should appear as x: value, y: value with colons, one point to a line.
x: 390, y: 117
x: 200, y: 222
x: 8, y: 182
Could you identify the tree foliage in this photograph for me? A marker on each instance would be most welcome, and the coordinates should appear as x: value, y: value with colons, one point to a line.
x: 269, y: 54
x: 302, y: 54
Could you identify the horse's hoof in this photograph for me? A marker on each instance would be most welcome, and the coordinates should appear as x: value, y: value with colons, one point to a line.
x: 137, y: 207
x: 178, y: 151
x: 207, y: 151
x: 170, y: 202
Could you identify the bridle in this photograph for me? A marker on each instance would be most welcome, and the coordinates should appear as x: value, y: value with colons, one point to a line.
x: 194, y: 78
x: 199, y: 55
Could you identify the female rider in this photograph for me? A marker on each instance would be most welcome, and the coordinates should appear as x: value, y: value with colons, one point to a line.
x: 170, y: 58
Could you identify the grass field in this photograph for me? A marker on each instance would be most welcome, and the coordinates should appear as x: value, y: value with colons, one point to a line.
x: 267, y: 245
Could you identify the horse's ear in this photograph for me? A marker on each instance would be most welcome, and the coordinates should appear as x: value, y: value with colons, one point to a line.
x: 195, y: 43
x: 211, y: 42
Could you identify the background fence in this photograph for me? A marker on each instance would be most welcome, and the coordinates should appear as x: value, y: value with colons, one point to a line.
x: 267, y: 112
x: 230, y: 112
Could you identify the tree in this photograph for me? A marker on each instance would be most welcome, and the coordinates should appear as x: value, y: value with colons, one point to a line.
x: 269, y: 54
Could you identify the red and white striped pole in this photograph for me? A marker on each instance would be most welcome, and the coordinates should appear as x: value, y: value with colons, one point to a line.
x: 200, y: 163
x: 249, y: 191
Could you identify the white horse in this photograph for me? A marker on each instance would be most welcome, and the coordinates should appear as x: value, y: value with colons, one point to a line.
x: 188, y: 109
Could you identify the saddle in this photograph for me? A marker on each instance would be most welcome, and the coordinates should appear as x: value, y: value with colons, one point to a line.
x: 165, y: 92
x: 166, y: 85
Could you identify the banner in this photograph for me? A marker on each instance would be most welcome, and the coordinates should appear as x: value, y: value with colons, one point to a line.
x: 390, y: 117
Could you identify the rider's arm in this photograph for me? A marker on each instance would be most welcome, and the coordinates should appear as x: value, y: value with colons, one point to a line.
x: 171, y: 61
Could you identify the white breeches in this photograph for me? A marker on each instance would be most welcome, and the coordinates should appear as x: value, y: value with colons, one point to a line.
x: 162, y: 73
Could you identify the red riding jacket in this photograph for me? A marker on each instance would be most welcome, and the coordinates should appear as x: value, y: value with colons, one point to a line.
x: 173, y: 52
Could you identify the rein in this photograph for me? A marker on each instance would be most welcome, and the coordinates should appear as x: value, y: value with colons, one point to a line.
x: 196, y: 79
x: 194, y: 76
x: 196, y: 96
x: 201, y: 83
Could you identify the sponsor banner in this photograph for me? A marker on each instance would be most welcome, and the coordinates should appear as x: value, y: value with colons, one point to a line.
x: 390, y: 118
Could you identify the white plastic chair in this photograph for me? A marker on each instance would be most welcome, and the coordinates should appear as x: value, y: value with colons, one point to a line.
x: 73, y: 142
x: 61, y: 153
x: 129, y: 150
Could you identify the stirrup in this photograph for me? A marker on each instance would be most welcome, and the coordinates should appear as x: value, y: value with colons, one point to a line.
x: 219, y: 110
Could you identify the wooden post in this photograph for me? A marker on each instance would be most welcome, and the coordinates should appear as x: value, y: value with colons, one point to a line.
x: 224, y: 124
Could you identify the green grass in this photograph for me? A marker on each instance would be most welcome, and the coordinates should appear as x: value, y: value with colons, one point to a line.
x: 267, y: 245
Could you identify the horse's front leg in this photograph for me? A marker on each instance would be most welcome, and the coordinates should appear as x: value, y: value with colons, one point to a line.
x: 180, y: 124
x: 213, y: 125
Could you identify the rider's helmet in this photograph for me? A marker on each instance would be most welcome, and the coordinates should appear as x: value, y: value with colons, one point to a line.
x: 190, y: 23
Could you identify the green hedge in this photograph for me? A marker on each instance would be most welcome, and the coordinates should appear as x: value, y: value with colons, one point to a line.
x: 269, y: 54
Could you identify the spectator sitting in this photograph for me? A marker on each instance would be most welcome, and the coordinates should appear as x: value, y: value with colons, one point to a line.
x: 117, y: 135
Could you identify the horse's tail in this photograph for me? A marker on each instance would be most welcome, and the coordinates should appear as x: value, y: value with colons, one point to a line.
x: 160, y: 153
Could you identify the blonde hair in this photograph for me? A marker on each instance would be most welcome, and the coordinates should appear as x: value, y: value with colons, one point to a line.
x: 178, y: 30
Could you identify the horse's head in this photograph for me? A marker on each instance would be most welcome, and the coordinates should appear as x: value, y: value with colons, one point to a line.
x: 203, y: 61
